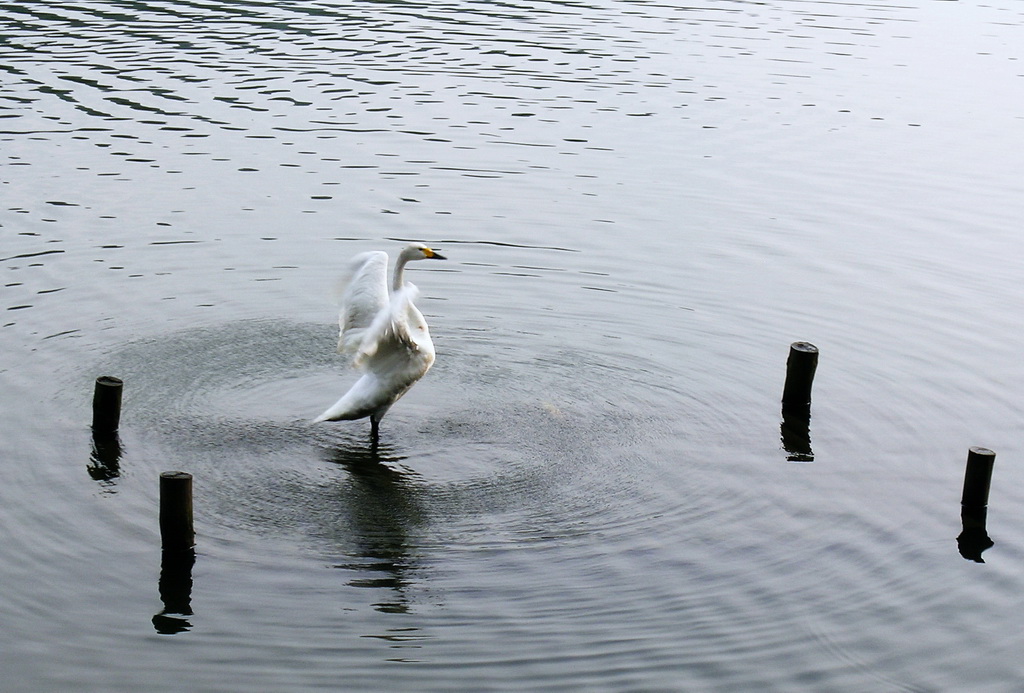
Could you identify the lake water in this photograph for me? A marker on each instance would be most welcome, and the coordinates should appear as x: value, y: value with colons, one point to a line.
x: 643, y: 204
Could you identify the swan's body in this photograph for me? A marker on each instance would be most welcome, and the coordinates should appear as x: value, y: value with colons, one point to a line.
x: 385, y: 334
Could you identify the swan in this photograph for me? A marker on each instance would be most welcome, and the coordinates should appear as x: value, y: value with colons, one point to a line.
x: 384, y: 333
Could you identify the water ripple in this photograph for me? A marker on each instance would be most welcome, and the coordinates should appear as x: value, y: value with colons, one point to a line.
x: 588, y: 490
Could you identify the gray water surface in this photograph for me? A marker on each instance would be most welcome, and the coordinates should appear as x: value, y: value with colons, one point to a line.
x: 643, y: 205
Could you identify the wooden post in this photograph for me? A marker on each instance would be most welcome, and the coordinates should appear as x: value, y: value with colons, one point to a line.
x: 106, y: 404
x: 176, y: 530
x: 977, y: 477
x: 800, y: 368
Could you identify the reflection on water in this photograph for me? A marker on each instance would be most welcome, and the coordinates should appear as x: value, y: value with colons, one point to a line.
x: 175, y: 592
x: 105, y: 459
x: 796, y: 434
x: 382, y: 510
x: 647, y: 198
x: 974, y: 539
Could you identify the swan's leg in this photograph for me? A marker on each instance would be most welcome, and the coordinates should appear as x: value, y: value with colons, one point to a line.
x: 374, y: 429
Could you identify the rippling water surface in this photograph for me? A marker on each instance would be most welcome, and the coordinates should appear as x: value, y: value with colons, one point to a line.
x: 643, y: 205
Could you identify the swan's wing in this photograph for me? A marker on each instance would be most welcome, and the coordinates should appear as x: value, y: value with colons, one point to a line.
x: 397, y: 337
x: 395, y: 352
x: 364, y: 296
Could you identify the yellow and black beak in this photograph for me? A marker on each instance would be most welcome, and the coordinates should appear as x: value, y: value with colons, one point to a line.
x: 433, y: 255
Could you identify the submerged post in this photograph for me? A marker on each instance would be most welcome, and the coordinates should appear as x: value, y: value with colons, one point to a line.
x: 176, y: 529
x: 977, y: 477
x: 106, y: 404
x: 800, y: 368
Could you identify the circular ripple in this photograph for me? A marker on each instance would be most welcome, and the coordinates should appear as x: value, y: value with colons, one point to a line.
x: 233, y: 405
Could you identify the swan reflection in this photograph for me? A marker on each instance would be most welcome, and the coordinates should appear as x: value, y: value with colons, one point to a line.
x: 383, y: 511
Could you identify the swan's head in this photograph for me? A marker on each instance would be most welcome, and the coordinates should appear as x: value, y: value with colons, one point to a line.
x: 418, y: 251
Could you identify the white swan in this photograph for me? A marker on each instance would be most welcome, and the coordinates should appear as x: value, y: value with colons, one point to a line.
x: 385, y: 333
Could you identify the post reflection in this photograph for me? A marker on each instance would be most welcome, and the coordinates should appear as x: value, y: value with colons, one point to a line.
x: 175, y: 592
x: 796, y: 433
x: 382, y: 512
x: 105, y: 458
x: 974, y: 539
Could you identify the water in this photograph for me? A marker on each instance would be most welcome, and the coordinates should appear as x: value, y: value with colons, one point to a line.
x: 643, y: 205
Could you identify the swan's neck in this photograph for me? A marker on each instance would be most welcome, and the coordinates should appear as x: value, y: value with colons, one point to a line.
x: 399, y: 279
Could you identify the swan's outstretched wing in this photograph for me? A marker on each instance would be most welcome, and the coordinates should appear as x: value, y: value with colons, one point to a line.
x: 397, y: 343
x: 364, y: 296
x: 394, y: 353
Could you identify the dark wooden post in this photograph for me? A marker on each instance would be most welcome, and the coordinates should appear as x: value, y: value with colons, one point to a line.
x: 977, y: 477
x: 800, y: 368
x: 176, y: 530
x: 106, y: 404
